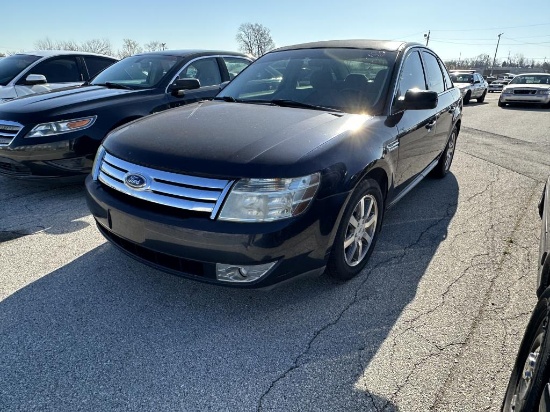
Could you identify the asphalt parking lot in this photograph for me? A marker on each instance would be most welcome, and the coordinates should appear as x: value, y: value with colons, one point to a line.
x: 432, y: 323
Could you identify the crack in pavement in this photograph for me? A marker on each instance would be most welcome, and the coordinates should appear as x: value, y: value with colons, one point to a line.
x: 356, y: 299
x: 485, y: 301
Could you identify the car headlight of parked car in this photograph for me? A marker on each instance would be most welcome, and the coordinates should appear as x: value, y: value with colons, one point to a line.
x: 545, y: 92
x: 267, y: 200
x: 63, y: 126
x: 508, y: 91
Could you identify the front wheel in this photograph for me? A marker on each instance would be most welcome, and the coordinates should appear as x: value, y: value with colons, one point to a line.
x: 467, y: 97
x: 500, y: 104
x: 358, y: 231
x: 531, y: 373
x: 446, y: 159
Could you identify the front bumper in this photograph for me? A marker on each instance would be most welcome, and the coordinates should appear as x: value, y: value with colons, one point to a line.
x: 66, y: 158
x: 190, y: 244
x: 525, y: 98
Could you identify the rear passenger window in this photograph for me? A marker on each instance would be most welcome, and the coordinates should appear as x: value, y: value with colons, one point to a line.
x: 235, y: 65
x: 412, y: 75
x: 434, y: 76
x: 96, y: 64
x: 59, y: 70
x: 446, y: 77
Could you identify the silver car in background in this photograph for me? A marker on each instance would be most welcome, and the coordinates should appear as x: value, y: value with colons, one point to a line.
x: 472, y: 85
x: 41, y: 71
x: 528, y: 88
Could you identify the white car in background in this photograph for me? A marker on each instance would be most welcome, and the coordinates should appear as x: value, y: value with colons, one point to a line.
x: 41, y: 71
x: 498, y: 85
x: 528, y: 88
x: 472, y: 85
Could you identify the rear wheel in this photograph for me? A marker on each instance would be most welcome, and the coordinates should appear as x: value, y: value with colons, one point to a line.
x: 531, y: 372
x: 446, y: 159
x: 358, y: 231
x: 482, y: 97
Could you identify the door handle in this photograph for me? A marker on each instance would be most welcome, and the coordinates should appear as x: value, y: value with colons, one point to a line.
x: 431, y: 124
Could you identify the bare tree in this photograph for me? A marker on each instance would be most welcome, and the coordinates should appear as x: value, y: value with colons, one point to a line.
x: 45, y: 44
x: 101, y: 46
x: 67, y: 45
x: 255, y: 39
x: 129, y: 48
x: 154, y: 45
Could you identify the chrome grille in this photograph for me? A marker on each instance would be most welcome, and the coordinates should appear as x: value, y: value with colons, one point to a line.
x: 525, y: 91
x: 185, y: 192
x: 8, y: 130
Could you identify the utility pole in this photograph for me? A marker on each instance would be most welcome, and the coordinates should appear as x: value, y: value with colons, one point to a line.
x: 495, y: 58
x: 163, y: 44
x: 427, y: 37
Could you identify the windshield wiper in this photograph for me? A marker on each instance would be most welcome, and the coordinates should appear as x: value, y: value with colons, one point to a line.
x: 294, y: 103
x: 226, y: 98
x: 112, y: 85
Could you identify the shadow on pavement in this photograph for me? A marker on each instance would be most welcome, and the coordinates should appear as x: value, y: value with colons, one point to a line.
x: 105, y: 332
x: 28, y: 207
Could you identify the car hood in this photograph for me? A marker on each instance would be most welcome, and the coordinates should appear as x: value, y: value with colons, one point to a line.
x: 234, y: 139
x: 59, y: 102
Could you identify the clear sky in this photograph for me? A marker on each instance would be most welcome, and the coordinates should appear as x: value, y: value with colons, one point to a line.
x: 457, y: 28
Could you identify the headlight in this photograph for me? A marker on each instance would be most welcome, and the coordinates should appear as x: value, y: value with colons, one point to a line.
x: 508, y: 91
x: 97, y: 162
x: 266, y: 200
x: 547, y: 91
x: 64, y: 126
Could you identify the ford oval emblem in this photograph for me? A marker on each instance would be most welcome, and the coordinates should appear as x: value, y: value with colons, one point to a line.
x: 135, y: 181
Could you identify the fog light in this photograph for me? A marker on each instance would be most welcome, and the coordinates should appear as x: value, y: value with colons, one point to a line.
x: 242, y: 273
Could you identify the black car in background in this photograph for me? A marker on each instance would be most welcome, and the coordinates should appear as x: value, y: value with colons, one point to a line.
x: 288, y: 170
x: 529, y: 385
x: 56, y: 134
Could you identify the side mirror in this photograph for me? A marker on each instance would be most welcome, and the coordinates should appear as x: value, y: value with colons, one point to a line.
x: 416, y: 99
x: 33, y: 79
x: 180, y: 85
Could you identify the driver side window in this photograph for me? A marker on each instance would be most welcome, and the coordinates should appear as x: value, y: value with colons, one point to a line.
x: 412, y: 75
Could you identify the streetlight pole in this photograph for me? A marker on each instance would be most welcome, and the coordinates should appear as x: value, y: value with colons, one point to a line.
x: 495, y: 58
x: 427, y: 37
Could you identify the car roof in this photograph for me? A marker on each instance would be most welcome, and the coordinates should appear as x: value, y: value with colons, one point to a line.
x: 190, y: 52
x: 533, y: 74
x: 388, y: 45
x: 463, y: 71
x: 50, y: 53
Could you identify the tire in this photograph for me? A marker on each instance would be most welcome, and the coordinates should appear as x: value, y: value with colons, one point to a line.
x: 482, y: 97
x: 466, y: 99
x: 524, y: 391
x: 446, y: 159
x: 500, y: 104
x: 358, y: 232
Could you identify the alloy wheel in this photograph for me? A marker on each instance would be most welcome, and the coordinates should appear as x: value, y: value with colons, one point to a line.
x: 450, y: 151
x: 360, y: 230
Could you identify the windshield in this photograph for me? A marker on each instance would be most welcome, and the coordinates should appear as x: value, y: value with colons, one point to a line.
x: 350, y: 80
x: 526, y: 79
x: 137, y: 72
x: 462, y: 78
x: 11, y: 66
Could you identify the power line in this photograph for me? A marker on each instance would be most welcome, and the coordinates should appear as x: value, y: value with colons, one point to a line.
x: 499, y: 28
